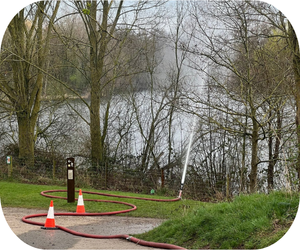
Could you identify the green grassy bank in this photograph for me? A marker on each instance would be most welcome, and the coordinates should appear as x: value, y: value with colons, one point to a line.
x: 250, y: 221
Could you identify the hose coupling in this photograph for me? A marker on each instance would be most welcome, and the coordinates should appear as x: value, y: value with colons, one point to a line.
x: 180, y: 193
x: 128, y: 238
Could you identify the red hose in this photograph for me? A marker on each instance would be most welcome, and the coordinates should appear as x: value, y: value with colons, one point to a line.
x: 104, y: 194
x: 120, y: 236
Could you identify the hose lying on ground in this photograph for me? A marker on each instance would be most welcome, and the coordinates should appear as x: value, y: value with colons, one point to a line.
x: 120, y: 236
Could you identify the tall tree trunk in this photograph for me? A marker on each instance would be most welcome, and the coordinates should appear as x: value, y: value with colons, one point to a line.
x: 243, y: 168
x: 99, y: 37
x: 254, y: 140
x: 96, y: 72
x: 270, y: 174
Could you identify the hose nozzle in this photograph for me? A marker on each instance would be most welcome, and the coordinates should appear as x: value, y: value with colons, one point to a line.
x: 180, y: 191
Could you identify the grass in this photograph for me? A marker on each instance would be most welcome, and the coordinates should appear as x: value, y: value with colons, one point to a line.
x: 250, y: 221
x: 28, y: 196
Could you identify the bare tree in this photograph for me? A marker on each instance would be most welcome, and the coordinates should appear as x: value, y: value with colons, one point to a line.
x: 231, y: 42
x: 108, y: 26
x: 280, y: 22
x: 24, y: 57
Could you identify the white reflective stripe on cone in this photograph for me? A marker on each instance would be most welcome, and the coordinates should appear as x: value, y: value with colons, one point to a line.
x: 50, y: 213
x: 80, y: 201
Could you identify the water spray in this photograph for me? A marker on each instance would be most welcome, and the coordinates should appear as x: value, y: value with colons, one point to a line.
x: 187, y: 157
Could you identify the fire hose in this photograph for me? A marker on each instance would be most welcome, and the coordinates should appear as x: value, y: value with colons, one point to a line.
x: 133, y: 207
x: 120, y: 236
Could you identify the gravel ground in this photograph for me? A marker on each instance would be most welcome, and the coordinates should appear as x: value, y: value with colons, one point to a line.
x: 57, y: 239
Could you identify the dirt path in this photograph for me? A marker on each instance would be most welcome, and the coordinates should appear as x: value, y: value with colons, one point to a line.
x: 57, y: 239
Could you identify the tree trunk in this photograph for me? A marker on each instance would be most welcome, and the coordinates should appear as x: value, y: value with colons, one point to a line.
x: 96, y: 150
x: 96, y: 72
x: 98, y: 48
x: 227, y: 187
x: 270, y: 175
x: 271, y: 164
x: 243, y: 168
x: 162, y: 178
x: 26, y: 139
x: 274, y: 157
x: 253, y: 173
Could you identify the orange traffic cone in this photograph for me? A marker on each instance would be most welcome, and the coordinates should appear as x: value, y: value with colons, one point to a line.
x: 50, y: 221
x: 80, y: 204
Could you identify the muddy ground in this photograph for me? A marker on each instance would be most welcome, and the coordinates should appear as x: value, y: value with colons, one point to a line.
x: 57, y: 239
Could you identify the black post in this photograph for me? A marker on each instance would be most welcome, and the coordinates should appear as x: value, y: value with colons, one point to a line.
x: 70, y: 180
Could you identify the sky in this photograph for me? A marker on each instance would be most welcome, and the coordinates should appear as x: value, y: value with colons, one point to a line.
x: 8, y: 240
